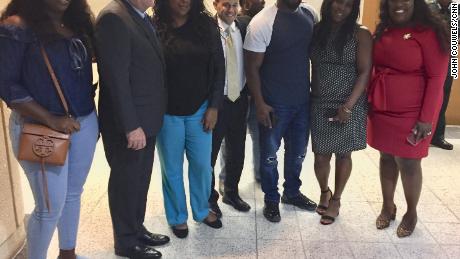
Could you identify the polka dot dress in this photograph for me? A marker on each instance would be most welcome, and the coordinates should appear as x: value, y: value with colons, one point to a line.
x: 333, y: 79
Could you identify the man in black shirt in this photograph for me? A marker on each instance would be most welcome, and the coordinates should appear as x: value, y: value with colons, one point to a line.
x: 443, y: 7
x: 249, y: 8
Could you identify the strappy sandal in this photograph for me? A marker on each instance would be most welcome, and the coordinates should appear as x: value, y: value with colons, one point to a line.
x: 383, y: 222
x: 321, y: 208
x: 330, y: 219
x: 403, y: 231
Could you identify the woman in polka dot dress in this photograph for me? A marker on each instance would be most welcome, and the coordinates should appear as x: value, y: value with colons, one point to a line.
x: 341, y: 64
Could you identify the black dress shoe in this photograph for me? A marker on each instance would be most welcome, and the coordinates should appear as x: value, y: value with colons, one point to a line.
x: 442, y: 143
x: 300, y: 201
x: 153, y: 239
x: 272, y: 212
x: 180, y: 233
x: 139, y: 252
x: 236, y: 202
x: 215, y: 209
x: 214, y: 224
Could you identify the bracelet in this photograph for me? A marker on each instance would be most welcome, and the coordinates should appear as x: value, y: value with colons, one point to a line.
x: 345, y: 109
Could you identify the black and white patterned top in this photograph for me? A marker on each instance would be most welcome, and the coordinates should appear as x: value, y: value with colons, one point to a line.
x: 333, y: 79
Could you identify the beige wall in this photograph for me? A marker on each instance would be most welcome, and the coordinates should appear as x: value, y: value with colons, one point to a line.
x: 453, y: 111
x: 370, y: 14
x: 12, y: 232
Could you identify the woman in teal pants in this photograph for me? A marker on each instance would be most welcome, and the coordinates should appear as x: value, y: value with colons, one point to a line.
x: 195, y: 75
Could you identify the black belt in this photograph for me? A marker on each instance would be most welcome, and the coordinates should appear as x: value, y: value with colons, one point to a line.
x: 243, y: 92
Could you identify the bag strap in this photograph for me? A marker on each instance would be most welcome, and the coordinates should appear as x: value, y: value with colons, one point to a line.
x: 45, y: 185
x: 55, y: 81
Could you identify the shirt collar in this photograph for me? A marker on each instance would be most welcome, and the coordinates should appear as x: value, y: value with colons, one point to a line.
x: 223, y: 25
x: 288, y: 11
x: 142, y: 14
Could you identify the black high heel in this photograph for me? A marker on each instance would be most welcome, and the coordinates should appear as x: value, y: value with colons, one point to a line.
x: 321, y: 208
x: 330, y: 219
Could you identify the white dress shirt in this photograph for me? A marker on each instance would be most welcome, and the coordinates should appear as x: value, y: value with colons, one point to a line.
x: 141, y: 14
x: 238, y: 43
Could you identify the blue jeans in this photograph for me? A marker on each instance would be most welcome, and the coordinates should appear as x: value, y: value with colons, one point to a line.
x: 65, y: 186
x: 293, y: 127
x: 179, y: 134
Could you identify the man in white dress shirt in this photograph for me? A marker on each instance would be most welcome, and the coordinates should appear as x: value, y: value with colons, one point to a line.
x: 231, y: 123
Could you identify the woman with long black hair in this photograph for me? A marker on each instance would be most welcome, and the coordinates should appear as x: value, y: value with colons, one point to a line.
x: 195, y: 81
x: 341, y: 64
x: 64, y: 29
x: 405, y: 96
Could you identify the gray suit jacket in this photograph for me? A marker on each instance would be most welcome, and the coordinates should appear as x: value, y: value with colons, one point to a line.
x: 132, y: 72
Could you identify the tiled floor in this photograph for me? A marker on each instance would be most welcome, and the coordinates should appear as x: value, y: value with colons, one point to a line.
x: 299, y: 234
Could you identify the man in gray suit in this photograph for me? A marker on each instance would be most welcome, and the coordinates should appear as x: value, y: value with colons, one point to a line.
x: 131, y: 106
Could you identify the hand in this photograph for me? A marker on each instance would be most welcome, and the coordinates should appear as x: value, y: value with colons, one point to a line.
x: 209, y: 119
x: 263, y: 114
x: 421, y: 130
x: 343, y: 114
x: 64, y: 124
x: 136, y: 139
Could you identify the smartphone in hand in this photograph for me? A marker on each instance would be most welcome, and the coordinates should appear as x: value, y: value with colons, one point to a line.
x: 412, y: 139
x: 330, y: 114
x: 273, y: 118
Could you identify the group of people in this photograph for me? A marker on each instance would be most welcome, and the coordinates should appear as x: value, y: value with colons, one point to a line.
x: 185, y: 81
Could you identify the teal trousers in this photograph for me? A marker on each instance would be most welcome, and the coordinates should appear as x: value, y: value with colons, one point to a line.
x: 179, y: 135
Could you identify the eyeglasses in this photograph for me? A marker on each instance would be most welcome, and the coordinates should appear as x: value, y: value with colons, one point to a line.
x: 78, y: 54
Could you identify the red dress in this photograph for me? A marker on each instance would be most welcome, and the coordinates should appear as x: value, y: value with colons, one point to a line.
x: 406, y: 87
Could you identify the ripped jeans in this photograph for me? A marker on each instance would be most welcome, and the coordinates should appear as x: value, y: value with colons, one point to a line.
x: 292, y: 125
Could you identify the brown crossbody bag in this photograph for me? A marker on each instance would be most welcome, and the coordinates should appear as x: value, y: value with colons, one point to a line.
x: 41, y: 144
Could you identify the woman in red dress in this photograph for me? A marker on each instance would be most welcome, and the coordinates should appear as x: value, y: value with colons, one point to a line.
x: 405, y: 96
